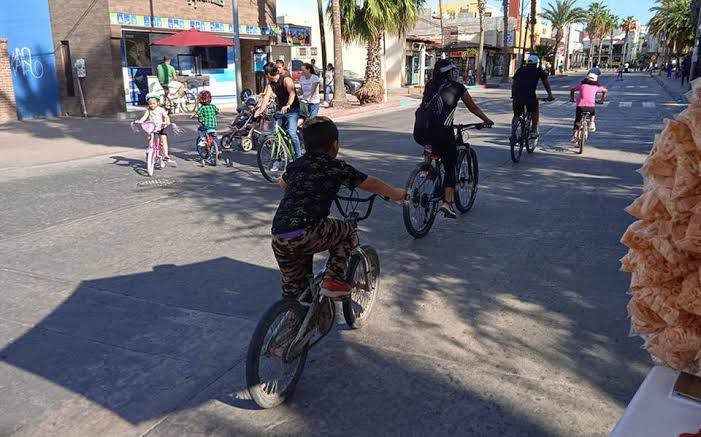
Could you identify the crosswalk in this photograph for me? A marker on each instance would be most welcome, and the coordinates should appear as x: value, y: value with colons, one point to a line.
x: 566, y: 103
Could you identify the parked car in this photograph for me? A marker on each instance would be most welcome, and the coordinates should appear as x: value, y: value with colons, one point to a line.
x: 351, y: 83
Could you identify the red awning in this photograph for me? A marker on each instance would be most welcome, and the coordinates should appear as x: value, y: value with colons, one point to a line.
x: 192, y: 38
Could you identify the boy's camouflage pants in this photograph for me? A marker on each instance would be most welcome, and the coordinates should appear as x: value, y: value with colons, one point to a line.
x: 295, y: 256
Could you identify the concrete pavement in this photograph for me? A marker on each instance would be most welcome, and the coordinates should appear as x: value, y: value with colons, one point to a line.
x: 127, y: 304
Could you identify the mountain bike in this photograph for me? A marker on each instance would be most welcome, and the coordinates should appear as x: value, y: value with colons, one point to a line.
x: 207, y: 145
x: 154, y: 148
x: 425, y: 184
x: 275, y: 153
x: 291, y: 327
x: 521, y: 134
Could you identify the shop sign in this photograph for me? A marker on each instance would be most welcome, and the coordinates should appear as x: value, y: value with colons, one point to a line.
x: 119, y: 19
x: 214, y: 2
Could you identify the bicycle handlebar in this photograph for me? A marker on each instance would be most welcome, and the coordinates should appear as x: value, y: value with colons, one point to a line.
x: 353, y: 199
x: 476, y: 126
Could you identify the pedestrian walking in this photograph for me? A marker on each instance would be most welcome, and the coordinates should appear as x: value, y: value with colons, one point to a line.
x: 328, y: 78
x: 686, y: 70
x: 620, y: 73
x: 670, y: 67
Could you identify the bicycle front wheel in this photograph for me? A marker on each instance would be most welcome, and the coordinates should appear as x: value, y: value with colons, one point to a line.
x: 421, y: 208
x: 468, y: 178
x: 271, y: 371
x: 150, y: 161
x: 272, y: 159
x: 366, y: 284
x: 517, y: 140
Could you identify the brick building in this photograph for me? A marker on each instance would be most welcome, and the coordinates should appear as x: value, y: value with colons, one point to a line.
x: 114, y: 38
x: 8, y: 109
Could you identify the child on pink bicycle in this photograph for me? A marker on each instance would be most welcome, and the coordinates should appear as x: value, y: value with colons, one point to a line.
x: 158, y: 116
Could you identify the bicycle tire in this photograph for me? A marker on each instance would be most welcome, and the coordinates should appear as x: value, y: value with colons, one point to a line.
x: 467, y: 160
x: 418, y: 199
x: 265, y: 158
x: 357, y: 309
x: 227, y: 142
x: 517, y: 143
x: 531, y: 144
x: 582, y: 137
x: 150, y: 161
x: 258, y: 393
x: 202, y: 151
x: 214, y: 148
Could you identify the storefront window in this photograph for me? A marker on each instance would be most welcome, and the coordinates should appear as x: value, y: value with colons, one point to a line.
x: 138, y: 49
x: 211, y: 57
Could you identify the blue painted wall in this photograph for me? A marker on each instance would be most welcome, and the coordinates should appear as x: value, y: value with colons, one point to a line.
x: 27, y: 27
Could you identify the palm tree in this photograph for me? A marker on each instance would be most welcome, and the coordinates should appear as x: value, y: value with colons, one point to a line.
x: 596, y: 26
x: 544, y: 52
x: 368, y: 24
x: 627, y: 25
x: 339, y: 95
x: 611, y: 25
x: 481, y: 5
x: 534, y: 15
x: 322, y: 34
x: 507, y: 57
x: 561, y: 15
x: 673, y: 21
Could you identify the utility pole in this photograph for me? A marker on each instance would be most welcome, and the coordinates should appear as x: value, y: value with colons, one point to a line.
x: 440, y: 18
x: 237, y: 48
x: 322, y: 33
x: 522, y: 47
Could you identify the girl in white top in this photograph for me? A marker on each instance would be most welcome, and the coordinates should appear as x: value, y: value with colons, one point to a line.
x: 159, y: 116
x: 328, y: 76
x: 310, y: 89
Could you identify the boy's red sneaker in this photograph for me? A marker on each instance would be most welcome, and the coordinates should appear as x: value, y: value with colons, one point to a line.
x: 330, y: 287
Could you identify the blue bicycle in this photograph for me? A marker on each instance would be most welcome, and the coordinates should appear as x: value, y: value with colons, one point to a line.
x: 207, y: 145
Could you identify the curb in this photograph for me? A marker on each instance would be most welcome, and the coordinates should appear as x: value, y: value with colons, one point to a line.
x: 680, y: 98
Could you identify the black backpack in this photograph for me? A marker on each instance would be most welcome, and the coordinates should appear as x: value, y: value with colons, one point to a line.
x: 428, y: 117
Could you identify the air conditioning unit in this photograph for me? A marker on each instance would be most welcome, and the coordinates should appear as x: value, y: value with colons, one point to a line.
x: 416, y: 46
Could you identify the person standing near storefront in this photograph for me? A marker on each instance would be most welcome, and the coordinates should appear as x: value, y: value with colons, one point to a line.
x: 165, y: 73
x: 310, y: 89
x: 283, y: 88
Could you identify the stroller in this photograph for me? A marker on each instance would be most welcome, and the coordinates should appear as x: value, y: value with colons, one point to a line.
x: 246, y: 130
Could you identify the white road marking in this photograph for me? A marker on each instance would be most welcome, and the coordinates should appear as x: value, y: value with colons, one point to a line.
x: 630, y: 86
x: 625, y: 104
x: 643, y: 86
x: 648, y: 104
x: 605, y: 104
x: 564, y: 86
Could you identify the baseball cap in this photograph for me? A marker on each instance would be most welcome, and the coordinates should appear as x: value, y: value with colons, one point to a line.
x: 533, y: 59
x: 445, y: 65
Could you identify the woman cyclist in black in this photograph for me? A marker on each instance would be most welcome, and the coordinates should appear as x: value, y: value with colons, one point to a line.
x: 442, y: 139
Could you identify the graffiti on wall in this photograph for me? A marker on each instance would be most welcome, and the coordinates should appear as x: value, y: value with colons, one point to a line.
x: 23, y: 63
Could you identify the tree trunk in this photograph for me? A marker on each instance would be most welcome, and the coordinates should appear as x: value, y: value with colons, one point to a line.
x: 601, y: 46
x: 610, y: 62
x: 339, y: 95
x: 322, y: 34
x: 534, y: 14
x: 480, y: 51
x: 625, y: 47
x: 507, y: 58
x: 567, y: 49
x: 372, y: 90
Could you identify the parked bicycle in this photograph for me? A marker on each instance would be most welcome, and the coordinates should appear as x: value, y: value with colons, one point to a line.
x: 154, y: 148
x: 179, y: 99
x: 521, y: 135
x: 291, y: 327
x: 276, y: 151
x: 425, y: 184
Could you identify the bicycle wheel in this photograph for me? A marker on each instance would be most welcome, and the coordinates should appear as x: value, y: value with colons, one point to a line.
x: 366, y: 285
x: 190, y: 101
x: 517, y: 141
x: 420, y: 210
x: 271, y: 376
x: 272, y: 159
x: 531, y: 143
x: 468, y: 178
x: 581, y: 138
x: 150, y: 161
x: 214, y: 152
x: 201, y: 147
x: 227, y: 142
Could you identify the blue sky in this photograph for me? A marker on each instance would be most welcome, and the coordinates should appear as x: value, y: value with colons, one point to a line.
x: 622, y: 8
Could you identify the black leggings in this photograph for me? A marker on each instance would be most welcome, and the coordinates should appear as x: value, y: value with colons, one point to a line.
x: 448, y: 152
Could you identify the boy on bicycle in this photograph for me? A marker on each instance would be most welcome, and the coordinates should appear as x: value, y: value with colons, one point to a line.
x: 206, y: 114
x: 586, y: 101
x: 302, y: 227
x: 159, y: 116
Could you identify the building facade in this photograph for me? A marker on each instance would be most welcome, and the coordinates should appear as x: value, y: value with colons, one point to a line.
x: 115, y: 37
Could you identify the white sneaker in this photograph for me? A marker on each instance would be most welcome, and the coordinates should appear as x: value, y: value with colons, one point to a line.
x: 592, y: 127
x: 276, y: 166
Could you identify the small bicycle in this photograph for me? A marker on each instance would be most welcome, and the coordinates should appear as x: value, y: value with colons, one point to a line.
x: 290, y: 327
x: 425, y: 184
x: 583, y: 132
x: 207, y: 145
x: 521, y: 134
x: 154, y: 148
x: 275, y: 153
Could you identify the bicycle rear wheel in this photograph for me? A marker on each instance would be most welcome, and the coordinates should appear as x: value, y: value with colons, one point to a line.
x: 366, y: 284
x: 519, y: 131
x: 271, y: 376
x: 468, y: 178
x: 420, y: 210
x: 582, y: 136
x: 272, y: 159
